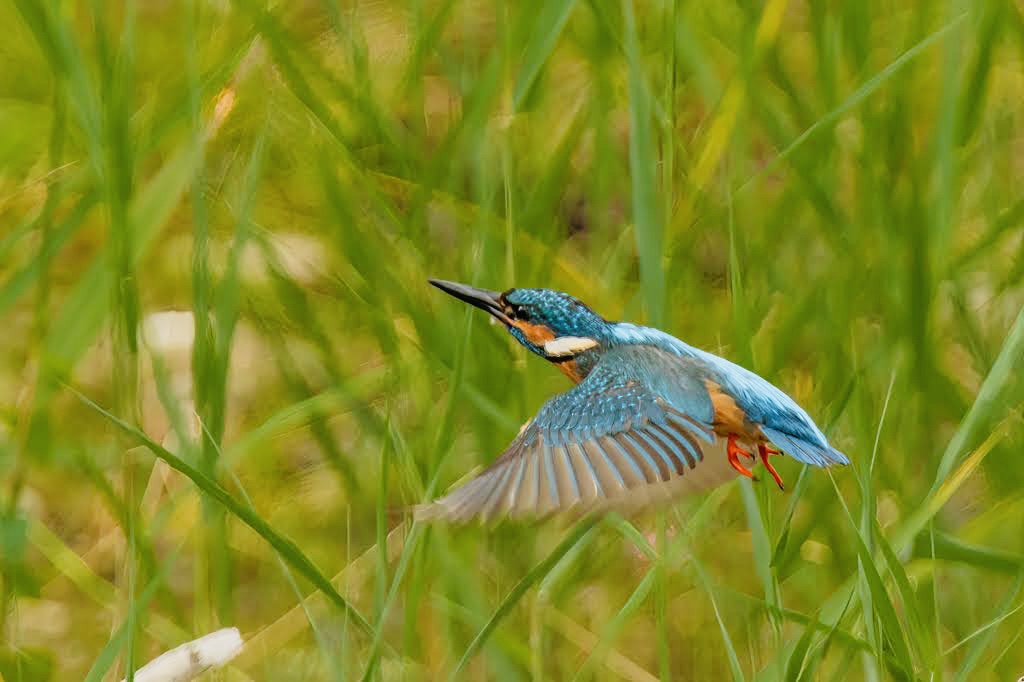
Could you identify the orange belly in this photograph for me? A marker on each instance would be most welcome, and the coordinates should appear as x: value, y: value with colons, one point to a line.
x: 730, y: 418
x: 570, y: 369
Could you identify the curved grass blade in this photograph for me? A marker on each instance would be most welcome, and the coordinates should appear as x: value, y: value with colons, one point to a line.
x: 642, y: 161
x: 108, y: 655
x: 920, y: 638
x: 882, y: 606
x: 730, y: 649
x: 983, y: 636
x: 990, y: 398
x: 285, y: 547
x: 550, y: 21
x: 950, y: 548
x: 517, y: 592
x: 585, y: 640
x: 855, y: 98
x: 614, y: 627
x: 803, y: 661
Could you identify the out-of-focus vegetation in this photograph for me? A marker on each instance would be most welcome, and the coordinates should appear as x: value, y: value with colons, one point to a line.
x: 216, y: 222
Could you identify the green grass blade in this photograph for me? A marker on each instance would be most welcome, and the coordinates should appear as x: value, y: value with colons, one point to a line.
x: 647, y: 219
x: 989, y: 404
x: 761, y: 545
x: 105, y: 661
x: 867, y: 89
x: 614, y: 626
x: 950, y: 548
x: 881, y: 606
x: 285, y: 547
x: 981, y: 639
x: 536, y: 574
x: 730, y: 648
x: 918, y: 635
x: 551, y: 19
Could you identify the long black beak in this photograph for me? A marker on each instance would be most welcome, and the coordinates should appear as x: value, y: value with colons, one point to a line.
x: 481, y: 298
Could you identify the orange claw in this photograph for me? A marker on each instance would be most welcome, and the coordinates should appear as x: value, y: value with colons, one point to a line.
x: 733, y: 450
x: 764, y: 451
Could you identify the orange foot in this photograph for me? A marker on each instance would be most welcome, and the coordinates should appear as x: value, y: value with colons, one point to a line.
x: 733, y: 450
x: 764, y: 451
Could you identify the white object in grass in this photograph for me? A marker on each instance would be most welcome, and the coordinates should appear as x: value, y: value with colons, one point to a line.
x: 192, y: 658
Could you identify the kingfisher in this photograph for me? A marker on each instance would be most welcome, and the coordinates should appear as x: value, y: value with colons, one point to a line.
x: 649, y: 418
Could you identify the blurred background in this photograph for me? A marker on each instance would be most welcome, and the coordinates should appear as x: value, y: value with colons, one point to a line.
x: 217, y: 220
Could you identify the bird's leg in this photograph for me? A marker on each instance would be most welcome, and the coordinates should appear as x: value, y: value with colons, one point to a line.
x: 764, y: 451
x: 733, y: 450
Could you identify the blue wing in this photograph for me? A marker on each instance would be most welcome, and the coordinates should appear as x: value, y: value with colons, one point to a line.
x: 782, y: 421
x: 639, y: 422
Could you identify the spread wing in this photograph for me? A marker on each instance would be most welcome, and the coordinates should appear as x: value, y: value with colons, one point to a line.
x: 638, y: 428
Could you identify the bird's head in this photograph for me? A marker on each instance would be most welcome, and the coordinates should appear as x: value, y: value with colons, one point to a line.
x: 550, y: 323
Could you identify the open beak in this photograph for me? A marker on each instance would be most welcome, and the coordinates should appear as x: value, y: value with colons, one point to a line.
x: 481, y: 298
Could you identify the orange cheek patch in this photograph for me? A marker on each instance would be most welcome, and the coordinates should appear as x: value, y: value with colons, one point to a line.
x: 537, y: 334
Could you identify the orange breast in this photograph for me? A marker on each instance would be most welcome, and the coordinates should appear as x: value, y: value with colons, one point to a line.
x: 570, y: 369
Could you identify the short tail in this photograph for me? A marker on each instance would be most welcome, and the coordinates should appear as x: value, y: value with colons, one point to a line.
x: 803, y: 451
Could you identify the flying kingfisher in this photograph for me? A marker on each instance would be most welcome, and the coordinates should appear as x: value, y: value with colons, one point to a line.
x: 650, y: 417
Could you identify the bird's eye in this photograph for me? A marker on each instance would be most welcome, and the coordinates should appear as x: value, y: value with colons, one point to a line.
x: 516, y: 311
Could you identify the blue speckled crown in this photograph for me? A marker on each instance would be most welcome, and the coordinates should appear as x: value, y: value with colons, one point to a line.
x: 563, y: 314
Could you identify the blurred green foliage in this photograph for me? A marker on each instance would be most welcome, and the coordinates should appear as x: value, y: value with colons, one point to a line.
x: 828, y: 193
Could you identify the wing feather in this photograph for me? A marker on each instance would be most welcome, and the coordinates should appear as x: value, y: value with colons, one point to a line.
x: 672, y: 466
x: 605, y: 471
x: 676, y: 445
x: 568, y: 483
x: 498, y: 498
x: 516, y: 485
x: 531, y: 493
x: 612, y: 440
x: 631, y: 471
x: 551, y: 482
x: 655, y: 467
x: 590, y: 483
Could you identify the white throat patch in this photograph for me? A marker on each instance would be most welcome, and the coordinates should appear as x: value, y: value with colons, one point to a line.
x: 568, y: 345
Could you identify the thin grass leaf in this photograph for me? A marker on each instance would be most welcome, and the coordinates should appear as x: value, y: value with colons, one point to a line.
x: 614, y: 627
x: 881, y: 605
x: 323, y: 639
x: 285, y: 547
x: 802, y: 664
x: 550, y: 21
x: 537, y: 573
x: 616, y: 661
x: 106, y: 658
x: 941, y: 494
x: 730, y: 649
x: 920, y: 639
x: 946, y: 547
x: 435, y: 463
x: 981, y: 639
x: 298, y: 415
x: 798, y: 656
x: 647, y: 218
x: 268, y: 640
x: 855, y: 98
x: 990, y: 403
x: 762, y: 549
